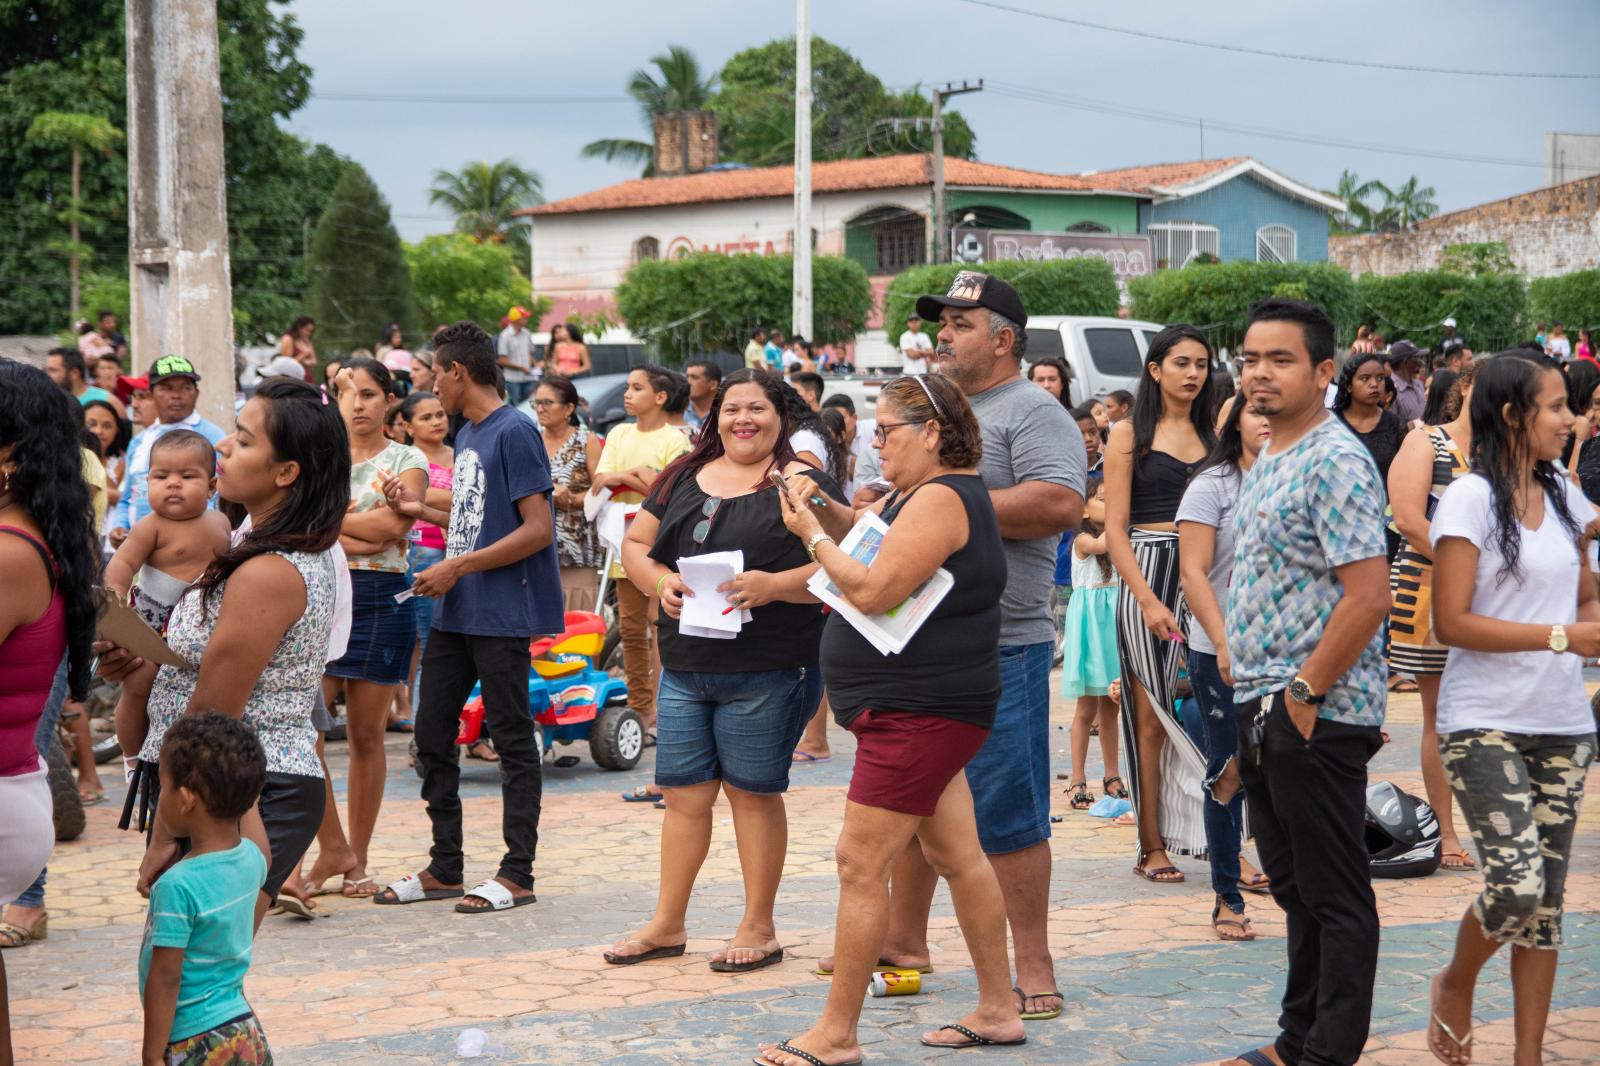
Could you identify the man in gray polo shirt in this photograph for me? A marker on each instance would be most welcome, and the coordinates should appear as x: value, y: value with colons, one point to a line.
x: 1034, y: 467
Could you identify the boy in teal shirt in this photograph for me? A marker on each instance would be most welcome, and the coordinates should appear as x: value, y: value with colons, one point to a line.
x: 201, y: 922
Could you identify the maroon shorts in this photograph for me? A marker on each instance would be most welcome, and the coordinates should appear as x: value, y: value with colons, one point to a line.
x: 905, y: 759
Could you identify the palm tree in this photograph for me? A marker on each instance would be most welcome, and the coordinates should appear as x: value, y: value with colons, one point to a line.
x: 1410, y: 203
x: 1357, y: 217
x: 484, y: 195
x: 679, y: 88
x: 79, y: 132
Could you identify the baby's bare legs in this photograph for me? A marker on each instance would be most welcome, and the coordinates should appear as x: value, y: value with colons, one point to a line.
x: 131, y: 718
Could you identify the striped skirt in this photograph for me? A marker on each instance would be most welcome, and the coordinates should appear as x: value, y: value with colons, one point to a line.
x: 1152, y: 662
x: 1412, y: 647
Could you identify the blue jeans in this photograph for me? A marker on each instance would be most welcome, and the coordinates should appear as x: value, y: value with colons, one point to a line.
x: 739, y: 728
x: 1010, y: 775
x: 33, y: 896
x: 1221, y: 743
x: 517, y: 391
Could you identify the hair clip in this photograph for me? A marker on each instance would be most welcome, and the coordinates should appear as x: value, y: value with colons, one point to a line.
x: 324, y: 391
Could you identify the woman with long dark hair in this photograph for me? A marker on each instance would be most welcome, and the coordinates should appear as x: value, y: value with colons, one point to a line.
x: 1052, y: 374
x: 1515, y: 729
x: 113, y: 432
x: 1430, y: 460
x: 568, y: 355
x: 730, y: 710
x: 1150, y: 458
x: 49, y: 561
x: 296, y: 343
x: 1580, y: 380
x: 375, y: 539
x: 1358, y: 403
x: 1205, y: 537
x: 1441, y: 390
x: 574, y: 455
x: 253, y: 631
x: 427, y: 424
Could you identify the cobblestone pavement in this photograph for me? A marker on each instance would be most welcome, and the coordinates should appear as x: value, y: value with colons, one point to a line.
x: 1144, y: 978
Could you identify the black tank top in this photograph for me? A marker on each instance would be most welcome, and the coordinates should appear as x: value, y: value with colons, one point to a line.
x: 1158, y: 483
x: 951, y: 667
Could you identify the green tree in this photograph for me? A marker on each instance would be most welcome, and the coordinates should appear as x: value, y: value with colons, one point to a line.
x: 1358, y: 213
x: 72, y: 57
x: 1218, y: 297
x: 677, y: 85
x: 1571, y: 299
x: 456, y: 277
x: 359, y: 277
x: 709, y: 301
x: 1490, y: 309
x: 850, y: 109
x: 483, y: 197
x: 1409, y: 203
x: 1085, y: 286
x: 76, y: 133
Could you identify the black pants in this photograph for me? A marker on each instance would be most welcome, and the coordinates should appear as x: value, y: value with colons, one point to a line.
x: 1308, y: 801
x: 451, y: 665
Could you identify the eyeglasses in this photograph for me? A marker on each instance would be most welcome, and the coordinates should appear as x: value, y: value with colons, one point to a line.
x: 881, y: 434
x: 549, y: 403
x: 702, y: 528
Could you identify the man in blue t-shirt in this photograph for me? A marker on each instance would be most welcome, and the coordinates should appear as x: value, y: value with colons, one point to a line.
x: 500, y: 585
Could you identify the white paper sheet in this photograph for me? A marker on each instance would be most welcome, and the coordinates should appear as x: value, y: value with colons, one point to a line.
x: 702, y: 614
x: 891, y: 631
x: 612, y: 525
x: 593, y: 501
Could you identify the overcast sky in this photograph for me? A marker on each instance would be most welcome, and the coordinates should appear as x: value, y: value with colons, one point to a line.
x: 589, y: 48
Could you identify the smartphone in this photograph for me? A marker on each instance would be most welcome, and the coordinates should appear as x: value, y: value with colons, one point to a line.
x: 776, y: 477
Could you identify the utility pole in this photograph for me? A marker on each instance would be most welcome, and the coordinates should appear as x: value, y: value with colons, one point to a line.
x: 941, y: 233
x: 177, y: 201
x: 801, y: 313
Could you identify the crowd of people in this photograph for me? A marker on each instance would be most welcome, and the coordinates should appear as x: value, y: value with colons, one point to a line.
x: 1234, y: 581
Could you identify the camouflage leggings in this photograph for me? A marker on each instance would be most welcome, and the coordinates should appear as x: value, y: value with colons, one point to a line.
x: 1519, y: 793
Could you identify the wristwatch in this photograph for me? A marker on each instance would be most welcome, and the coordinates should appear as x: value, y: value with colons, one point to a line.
x: 811, y: 545
x: 1558, y: 639
x: 1300, y: 692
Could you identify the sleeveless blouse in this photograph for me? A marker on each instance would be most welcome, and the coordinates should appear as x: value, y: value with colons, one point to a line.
x: 279, y: 706
x: 428, y: 534
x: 29, y: 657
x: 577, y: 544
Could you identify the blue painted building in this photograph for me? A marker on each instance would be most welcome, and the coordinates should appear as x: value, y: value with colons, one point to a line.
x: 1231, y: 208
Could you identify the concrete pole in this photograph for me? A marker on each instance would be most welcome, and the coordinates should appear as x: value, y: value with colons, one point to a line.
x: 182, y: 303
x: 941, y: 238
x: 801, y: 316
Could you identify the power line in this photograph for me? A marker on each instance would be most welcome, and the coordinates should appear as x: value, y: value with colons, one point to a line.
x: 1298, y: 57
x: 1046, y: 96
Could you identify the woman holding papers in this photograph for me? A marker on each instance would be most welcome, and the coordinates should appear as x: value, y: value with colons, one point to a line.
x: 738, y: 632
x: 919, y: 715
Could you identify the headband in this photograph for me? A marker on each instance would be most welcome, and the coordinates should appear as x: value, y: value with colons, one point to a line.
x: 937, y: 410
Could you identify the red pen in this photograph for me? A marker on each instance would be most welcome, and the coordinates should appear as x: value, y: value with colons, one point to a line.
x: 730, y: 608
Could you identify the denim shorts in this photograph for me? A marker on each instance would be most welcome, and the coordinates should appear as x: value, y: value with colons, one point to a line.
x: 381, y: 630
x: 419, y: 559
x: 739, y: 728
x: 1010, y: 775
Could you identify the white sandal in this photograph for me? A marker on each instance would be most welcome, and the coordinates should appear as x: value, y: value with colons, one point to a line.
x: 497, y: 896
x: 409, y: 889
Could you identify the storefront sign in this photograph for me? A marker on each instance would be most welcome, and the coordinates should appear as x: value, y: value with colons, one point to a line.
x: 1129, y: 256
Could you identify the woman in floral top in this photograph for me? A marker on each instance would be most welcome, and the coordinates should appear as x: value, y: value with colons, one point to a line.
x: 573, y: 452
x: 378, y: 659
x: 253, y: 631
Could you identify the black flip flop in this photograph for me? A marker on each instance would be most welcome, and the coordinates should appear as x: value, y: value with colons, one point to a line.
x: 771, y: 958
x: 789, y: 1049
x: 1254, y: 1057
x: 973, y: 1039
x: 666, y: 951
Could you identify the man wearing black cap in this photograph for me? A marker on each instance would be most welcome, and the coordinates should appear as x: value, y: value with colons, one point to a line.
x: 1410, y: 392
x: 175, y: 387
x: 1034, y: 467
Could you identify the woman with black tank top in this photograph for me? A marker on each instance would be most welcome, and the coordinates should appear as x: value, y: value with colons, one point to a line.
x: 1149, y: 460
x: 918, y: 716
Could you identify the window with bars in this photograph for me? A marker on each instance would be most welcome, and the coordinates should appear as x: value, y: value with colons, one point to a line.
x: 1175, y: 244
x: 646, y: 248
x: 900, y: 244
x: 1275, y: 244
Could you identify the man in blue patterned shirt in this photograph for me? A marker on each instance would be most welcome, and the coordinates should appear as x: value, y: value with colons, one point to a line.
x: 1309, y: 593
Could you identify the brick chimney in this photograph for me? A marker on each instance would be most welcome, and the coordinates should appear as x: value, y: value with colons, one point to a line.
x: 685, y: 142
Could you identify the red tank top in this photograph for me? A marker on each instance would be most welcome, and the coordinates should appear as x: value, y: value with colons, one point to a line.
x: 29, y: 658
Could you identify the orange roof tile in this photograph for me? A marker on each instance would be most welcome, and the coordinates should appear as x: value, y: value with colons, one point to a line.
x: 1160, y: 175
x: 842, y: 175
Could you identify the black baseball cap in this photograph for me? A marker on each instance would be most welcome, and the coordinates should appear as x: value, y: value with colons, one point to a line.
x: 1400, y: 351
x: 172, y: 366
x: 972, y: 289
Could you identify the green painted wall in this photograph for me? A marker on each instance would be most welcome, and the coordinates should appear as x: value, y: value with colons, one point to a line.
x: 1054, y: 213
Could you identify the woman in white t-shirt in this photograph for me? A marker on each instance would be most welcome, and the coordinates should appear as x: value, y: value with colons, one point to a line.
x: 1519, y: 614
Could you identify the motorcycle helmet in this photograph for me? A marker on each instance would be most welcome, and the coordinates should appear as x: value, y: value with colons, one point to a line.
x: 1402, y: 833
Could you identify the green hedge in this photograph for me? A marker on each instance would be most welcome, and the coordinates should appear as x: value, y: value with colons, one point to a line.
x: 1571, y: 299
x: 709, y: 301
x: 1083, y: 286
x: 1216, y: 297
x: 1490, y: 309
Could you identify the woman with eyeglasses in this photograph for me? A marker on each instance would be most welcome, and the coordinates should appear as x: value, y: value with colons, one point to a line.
x: 730, y: 710
x: 918, y: 716
x: 573, y: 452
